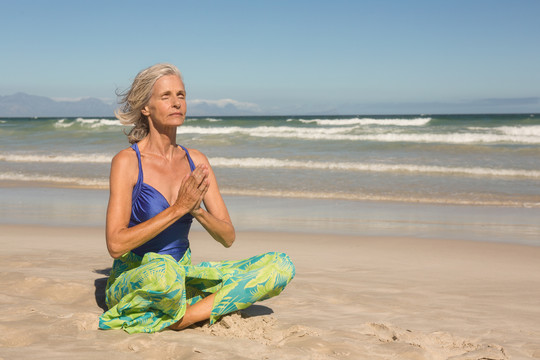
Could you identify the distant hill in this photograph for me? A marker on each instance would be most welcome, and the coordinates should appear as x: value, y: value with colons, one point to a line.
x: 25, y: 105
x: 223, y: 107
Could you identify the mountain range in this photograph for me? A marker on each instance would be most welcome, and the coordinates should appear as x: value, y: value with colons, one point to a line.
x: 25, y: 105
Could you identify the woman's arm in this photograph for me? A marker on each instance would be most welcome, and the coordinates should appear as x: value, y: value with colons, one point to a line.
x: 124, y: 172
x: 215, y: 219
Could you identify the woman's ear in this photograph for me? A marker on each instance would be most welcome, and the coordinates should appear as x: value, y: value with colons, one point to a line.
x: 145, y: 111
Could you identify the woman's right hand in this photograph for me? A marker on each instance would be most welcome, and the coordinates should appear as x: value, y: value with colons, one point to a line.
x: 192, y: 190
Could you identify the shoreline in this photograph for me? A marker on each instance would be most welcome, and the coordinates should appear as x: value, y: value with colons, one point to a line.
x: 102, y: 185
x: 354, y: 297
x: 87, y: 207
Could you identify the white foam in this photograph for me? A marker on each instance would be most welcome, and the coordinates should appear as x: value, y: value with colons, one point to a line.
x: 358, y: 196
x: 263, y: 131
x: 94, y: 123
x: 453, y: 138
x: 254, y: 162
x: 62, y: 124
x: 94, y: 183
x: 367, y: 121
x: 533, y: 131
x: 344, y: 134
x: 72, y: 158
x: 369, y: 167
x: 209, y: 119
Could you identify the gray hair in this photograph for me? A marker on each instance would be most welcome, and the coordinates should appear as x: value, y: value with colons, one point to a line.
x: 134, y: 99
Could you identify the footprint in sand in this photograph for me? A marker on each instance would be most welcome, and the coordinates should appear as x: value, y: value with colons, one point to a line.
x: 262, y: 329
x: 436, y: 345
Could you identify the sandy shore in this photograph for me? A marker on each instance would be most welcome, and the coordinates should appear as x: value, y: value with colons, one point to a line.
x: 353, y: 298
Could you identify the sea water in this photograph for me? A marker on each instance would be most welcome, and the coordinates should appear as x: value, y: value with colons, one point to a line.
x: 453, y: 160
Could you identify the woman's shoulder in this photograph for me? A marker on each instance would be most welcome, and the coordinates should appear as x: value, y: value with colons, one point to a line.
x: 125, y: 155
x: 197, y: 156
x: 124, y: 167
x: 125, y: 159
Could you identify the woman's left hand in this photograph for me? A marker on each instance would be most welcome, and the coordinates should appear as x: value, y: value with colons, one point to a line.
x: 214, y: 217
x: 203, y: 188
x: 192, y: 190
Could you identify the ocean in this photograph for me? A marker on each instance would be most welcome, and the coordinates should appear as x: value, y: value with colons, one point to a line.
x: 452, y: 160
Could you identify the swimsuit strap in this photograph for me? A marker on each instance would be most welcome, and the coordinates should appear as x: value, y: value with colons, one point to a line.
x: 191, y: 164
x: 138, y: 185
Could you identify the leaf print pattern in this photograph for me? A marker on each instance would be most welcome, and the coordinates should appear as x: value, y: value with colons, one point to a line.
x: 151, y: 293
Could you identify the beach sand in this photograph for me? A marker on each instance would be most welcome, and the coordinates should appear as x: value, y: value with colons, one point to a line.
x: 353, y: 297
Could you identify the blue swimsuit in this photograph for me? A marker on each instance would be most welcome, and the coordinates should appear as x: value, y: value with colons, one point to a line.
x: 147, y: 202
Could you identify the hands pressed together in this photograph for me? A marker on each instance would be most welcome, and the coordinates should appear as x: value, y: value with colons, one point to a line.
x: 192, y: 190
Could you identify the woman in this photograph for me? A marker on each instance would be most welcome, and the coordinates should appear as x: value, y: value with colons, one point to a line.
x: 156, y: 189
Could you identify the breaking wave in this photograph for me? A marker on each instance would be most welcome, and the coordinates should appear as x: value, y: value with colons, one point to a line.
x: 370, y: 167
x: 366, y: 121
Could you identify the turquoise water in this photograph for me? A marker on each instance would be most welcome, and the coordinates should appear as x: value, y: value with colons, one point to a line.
x: 442, y: 159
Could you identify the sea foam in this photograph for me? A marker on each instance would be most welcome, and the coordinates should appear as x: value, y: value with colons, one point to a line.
x: 369, y: 167
x: 366, y: 121
x: 71, y: 158
x: 363, y: 196
x: 350, y: 133
x: 533, y: 131
x: 91, y: 123
x: 77, y: 181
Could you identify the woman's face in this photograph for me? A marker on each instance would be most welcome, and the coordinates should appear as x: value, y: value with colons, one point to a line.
x: 167, y: 104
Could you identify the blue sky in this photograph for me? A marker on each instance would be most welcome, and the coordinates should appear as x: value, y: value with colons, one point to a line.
x: 284, y: 57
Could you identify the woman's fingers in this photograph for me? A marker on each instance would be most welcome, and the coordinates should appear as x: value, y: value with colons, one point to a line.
x: 203, y: 188
x: 200, y: 173
x: 193, y: 188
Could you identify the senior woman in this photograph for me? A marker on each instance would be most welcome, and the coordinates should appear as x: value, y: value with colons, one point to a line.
x: 156, y: 189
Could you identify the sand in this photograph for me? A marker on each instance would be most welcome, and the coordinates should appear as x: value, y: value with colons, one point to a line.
x: 354, y: 297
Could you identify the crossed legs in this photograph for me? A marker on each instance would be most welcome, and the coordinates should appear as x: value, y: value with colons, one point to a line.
x: 199, y: 311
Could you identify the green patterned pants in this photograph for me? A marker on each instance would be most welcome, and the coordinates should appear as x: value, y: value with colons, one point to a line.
x: 150, y: 293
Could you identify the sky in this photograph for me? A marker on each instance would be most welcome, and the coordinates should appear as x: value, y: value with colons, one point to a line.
x: 283, y: 57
